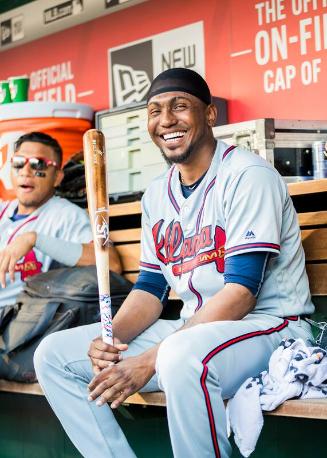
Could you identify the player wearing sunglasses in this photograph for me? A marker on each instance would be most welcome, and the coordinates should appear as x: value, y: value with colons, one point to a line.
x: 36, y: 163
x: 37, y: 227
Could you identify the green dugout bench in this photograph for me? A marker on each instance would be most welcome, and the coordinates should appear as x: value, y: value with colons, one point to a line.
x: 28, y: 428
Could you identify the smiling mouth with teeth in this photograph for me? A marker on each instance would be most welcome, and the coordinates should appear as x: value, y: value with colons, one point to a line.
x: 173, y: 136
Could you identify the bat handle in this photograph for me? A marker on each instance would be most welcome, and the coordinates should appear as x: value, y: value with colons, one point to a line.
x: 104, y: 296
x: 106, y: 318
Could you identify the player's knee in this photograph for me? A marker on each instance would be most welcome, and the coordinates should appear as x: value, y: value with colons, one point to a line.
x: 175, y: 361
x: 46, y: 353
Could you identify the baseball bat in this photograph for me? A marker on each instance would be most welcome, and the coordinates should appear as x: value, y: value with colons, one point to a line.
x: 97, y: 198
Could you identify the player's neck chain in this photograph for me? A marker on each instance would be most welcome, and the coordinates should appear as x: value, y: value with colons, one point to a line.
x: 194, y: 185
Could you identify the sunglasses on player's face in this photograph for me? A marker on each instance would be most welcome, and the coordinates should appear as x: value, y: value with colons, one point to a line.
x: 36, y: 163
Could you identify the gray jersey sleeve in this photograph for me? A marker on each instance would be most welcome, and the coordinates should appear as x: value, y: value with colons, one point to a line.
x: 74, y: 224
x: 253, y: 211
x: 149, y: 260
x: 3, y: 207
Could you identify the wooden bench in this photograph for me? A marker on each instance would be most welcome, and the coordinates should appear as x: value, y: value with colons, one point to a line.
x: 125, y: 221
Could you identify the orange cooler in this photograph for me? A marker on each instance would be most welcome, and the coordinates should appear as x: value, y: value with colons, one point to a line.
x: 64, y: 121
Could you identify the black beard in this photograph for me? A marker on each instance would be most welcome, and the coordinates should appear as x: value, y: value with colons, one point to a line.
x: 180, y: 159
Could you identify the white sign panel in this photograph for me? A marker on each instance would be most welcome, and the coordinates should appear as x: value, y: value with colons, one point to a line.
x: 133, y: 66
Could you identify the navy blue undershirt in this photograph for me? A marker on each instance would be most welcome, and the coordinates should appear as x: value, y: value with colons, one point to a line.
x: 247, y: 269
x: 16, y: 216
x: 154, y: 283
x: 188, y: 189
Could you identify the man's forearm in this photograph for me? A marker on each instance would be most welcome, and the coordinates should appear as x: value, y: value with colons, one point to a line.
x: 233, y: 302
x: 87, y: 257
x: 139, y: 310
x: 72, y: 253
x: 63, y: 251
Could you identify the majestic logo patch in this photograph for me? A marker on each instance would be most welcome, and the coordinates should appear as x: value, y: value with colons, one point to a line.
x: 249, y: 235
x: 185, y: 253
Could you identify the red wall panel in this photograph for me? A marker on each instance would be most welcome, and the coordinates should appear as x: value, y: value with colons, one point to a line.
x: 290, y: 40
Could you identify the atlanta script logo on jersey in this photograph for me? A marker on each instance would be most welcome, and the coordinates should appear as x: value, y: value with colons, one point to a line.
x: 29, y: 266
x: 188, y: 253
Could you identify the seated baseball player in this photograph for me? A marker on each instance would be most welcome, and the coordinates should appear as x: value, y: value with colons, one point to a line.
x: 37, y: 227
x: 220, y: 229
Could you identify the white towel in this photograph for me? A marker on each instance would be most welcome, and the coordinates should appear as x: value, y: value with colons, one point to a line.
x: 295, y: 371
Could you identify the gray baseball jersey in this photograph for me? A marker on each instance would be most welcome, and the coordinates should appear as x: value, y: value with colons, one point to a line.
x: 57, y: 218
x: 242, y: 205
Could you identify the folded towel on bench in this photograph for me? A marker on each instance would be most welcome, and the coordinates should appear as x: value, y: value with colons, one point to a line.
x: 295, y: 371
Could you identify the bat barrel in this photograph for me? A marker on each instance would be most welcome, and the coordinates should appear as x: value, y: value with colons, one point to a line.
x: 97, y: 197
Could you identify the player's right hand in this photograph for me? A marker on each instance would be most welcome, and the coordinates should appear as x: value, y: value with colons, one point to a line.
x: 12, y: 253
x: 103, y: 355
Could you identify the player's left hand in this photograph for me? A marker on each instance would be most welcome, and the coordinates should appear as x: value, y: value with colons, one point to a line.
x: 12, y: 253
x: 118, y: 381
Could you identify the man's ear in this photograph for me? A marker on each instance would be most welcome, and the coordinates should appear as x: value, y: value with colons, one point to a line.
x: 59, y: 178
x: 212, y: 114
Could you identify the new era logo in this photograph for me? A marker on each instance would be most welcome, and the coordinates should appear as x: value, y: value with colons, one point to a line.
x: 131, y: 70
x: 131, y: 85
x: 250, y: 235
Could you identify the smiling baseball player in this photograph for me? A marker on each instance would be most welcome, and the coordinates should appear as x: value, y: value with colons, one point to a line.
x: 220, y: 229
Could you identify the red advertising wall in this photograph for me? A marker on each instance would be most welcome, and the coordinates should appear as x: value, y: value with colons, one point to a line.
x: 268, y: 58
